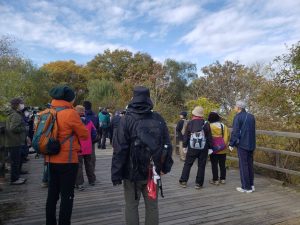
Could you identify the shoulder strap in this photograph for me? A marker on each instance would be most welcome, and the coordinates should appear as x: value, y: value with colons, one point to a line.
x: 222, y: 130
x: 241, y: 130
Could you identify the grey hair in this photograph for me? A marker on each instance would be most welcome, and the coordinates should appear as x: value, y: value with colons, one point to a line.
x: 241, y: 104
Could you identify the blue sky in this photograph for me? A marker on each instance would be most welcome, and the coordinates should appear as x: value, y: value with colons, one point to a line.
x: 199, y: 31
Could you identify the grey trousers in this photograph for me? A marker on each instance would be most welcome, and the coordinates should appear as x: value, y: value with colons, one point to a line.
x: 87, y: 159
x: 131, y: 205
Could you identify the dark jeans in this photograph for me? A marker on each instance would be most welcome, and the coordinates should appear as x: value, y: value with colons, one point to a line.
x: 131, y: 204
x: 246, y: 168
x: 191, y: 156
x: 104, y: 135
x: 15, y: 162
x: 218, y: 160
x: 45, y: 173
x: 87, y: 160
x: 62, y: 179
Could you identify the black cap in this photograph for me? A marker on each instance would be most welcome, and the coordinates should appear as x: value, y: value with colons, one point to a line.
x: 183, y: 113
x: 141, y: 94
x: 15, y: 102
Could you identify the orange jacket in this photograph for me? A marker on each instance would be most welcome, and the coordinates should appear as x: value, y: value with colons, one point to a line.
x: 69, y: 123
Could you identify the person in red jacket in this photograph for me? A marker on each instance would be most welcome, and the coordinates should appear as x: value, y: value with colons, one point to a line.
x: 63, y: 166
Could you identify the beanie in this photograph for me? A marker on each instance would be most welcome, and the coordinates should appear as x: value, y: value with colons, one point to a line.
x: 62, y: 92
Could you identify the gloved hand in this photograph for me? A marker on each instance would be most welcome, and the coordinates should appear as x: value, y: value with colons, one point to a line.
x: 210, y: 151
x: 117, y: 182
x: 184, y: 150
x: 230, y: 148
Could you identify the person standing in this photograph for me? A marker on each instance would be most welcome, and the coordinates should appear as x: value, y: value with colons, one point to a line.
x: 85, y: 154
x: 220, y: 139
x: 104, y: 124
x: 91, y: 116
x: 243, y: 137
x: 197, y: 140
x: 180, y: 129
x: 132, y: 156
x: 64, y: 165
x: 15, y: 135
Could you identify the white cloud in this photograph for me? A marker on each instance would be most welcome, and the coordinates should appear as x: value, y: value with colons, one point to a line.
x: 179, y: 15
x: 246, y: 30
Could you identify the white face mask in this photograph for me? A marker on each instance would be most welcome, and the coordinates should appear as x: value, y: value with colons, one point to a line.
x: 26, y: 114
x: 21, y: 106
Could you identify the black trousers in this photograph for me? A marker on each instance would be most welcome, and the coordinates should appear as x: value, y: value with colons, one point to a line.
x: 218, y: 160
x: 15, y: 154
x: 62, y: 179
x: 104, y: 135
x: 191, y: 156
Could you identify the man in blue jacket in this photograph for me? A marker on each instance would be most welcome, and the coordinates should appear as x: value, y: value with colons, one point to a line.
x: 243, y: 137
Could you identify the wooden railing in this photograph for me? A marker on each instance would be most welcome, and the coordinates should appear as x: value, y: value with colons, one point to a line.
x: 278, y: 153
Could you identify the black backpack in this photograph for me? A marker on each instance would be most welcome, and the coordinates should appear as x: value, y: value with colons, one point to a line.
x: 146, y: 144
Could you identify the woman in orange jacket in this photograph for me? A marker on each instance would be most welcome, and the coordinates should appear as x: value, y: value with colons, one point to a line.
x: 63, y: 166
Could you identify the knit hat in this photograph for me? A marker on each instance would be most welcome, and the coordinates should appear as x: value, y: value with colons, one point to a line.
x: 15, y: 102
x: 240, y: 104
x: 62, y: 92
x: 80, y: 109
x: 87, y: 105
x: 198, y: 111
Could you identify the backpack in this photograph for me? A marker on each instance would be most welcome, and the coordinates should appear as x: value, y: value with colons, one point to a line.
x: 185, y: 122
x: 197, y: 139
x: 218, y: 143
x: 45, y: 137
x: 146, y: 145
x: 104, y: 120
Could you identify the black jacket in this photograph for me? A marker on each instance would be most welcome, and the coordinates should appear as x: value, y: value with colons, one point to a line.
x: 120, y: 168
x: 196, y: 125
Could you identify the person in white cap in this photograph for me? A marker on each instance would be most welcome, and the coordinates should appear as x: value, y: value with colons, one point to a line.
x: 197, y: 140
x: 243, y: 137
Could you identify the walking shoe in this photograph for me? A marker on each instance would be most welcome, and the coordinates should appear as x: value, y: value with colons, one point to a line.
x: 92, y: 183
x: 18, y: 182
x: 214, y: 182
x: 198, y: 186
x: 243, y: 190
x: 23, y: 172
x: 222, y: 181
x: 182, y: 184
x: 44, y: 184
x: 79, y: 187
x: 253, y: 188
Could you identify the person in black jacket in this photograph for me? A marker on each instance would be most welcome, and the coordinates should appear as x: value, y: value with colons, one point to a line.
x: 195, y: 147
x: 180, y: 129
x: 124, y: 142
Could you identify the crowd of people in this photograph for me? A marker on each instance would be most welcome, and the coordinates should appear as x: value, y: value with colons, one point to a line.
x: 142, y: 150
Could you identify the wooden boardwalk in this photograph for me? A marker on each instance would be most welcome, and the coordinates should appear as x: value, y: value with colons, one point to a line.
x: 104, y: 204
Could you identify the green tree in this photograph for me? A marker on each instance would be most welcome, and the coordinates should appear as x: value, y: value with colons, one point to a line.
x: 207, y: 105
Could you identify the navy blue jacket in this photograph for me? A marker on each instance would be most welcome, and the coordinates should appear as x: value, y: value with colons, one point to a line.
x: 243, y: 131
x: 91, y: 116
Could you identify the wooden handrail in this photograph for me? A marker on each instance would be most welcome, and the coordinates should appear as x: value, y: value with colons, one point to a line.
x: 277, y: 152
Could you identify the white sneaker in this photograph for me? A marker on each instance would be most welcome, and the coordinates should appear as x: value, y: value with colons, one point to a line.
x: 243, y: 190
x: 253, y: 188
x: 239, y: 189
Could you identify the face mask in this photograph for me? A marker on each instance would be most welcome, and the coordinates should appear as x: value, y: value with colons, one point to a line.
x: 21, y: 106
x: 26, y: 114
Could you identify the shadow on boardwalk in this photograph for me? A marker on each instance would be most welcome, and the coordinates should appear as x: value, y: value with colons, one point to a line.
x: 104, y: 204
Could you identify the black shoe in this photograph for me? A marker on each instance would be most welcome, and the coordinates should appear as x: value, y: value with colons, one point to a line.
x: 18, y: 182
x: 24, y: 172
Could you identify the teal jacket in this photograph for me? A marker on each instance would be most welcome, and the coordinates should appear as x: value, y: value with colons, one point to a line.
x: 15, y: 130
x: 104, y: 119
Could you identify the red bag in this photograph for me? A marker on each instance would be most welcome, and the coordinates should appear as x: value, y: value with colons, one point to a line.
x: 151, y: 186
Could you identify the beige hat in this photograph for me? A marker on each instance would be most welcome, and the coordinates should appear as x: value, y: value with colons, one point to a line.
x: 198, y: 111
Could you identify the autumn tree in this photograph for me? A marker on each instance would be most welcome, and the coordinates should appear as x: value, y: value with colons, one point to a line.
x: 69, y: 73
